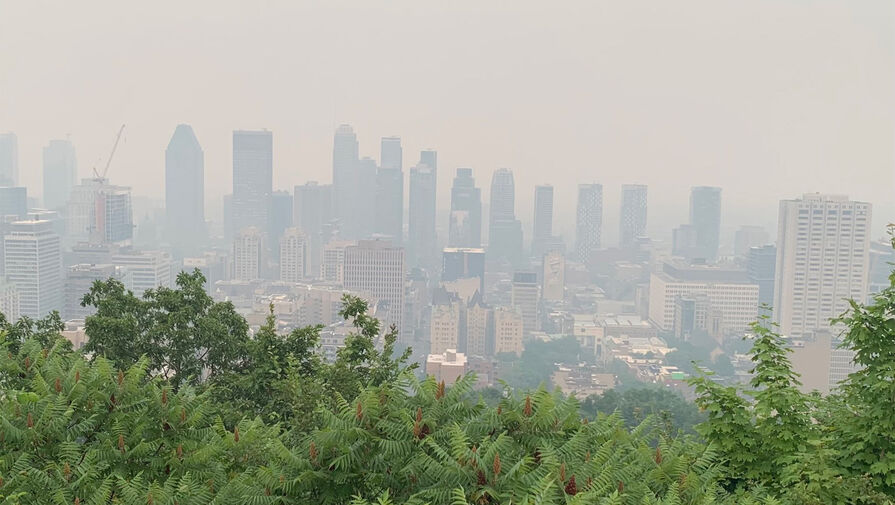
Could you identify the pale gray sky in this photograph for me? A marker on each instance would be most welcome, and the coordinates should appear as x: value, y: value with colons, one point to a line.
x: 766, y: 98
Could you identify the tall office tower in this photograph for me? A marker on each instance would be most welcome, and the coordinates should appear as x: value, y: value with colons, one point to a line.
x: 13, y: 201
x: 748, y: 237
x: 78, y: 281
x: 60, y: 173
x: 479, y: 328
x: 509, y: 328
x: 33, y: 262
x: 9, y: 159
x: 333, y: 267
x: 345, y: 158
x: 421, y: 237
x: 683, y: 242
x: 463, y: 263
x: 526, y: 300
x: 293, y: 255
x: 542, y: 224
x: 465, y: 227
x: 823, y: 248
x: 504, y: 230
x: 145, y: 270
x: 252, y: 179
x: 444, y: 326
x: 376, y: 267
x: 361, y: 221
x: 247, y: 258
x: 760, y: 265
x: 227, y: 216
x: 705, y: 218
x: 281, y: 219
x: 632, y: 222
x: 429, y: 157
x: 185, y: 191
x: 312, y: 214
x: 389, y: 211
x: 100, y: 213
x: 553, y: 284
x: 588, y: 220
x: 10, y: 301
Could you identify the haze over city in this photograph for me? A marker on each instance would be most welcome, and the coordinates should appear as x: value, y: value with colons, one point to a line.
x: 765, y: 99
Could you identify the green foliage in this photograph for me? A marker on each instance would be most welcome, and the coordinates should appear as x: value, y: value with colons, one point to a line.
x: 538, y: 362
x: 46, y: 331
x: 635, y: 405
x: 182, y: 332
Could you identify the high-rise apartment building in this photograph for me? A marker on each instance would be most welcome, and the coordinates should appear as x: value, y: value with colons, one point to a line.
x: 376, y: 268
x: 312, y: 214
x: 421, y: 236
x: 542, y: 224
x: 9, y: 159
x: 504, y: 230
x: 13, y: 202
x: 345, y: 158
x: 823, y: 247
x: 293, y: 255
x: 33, y: 262
x: 389, y: 207
x: 508, y: 330
x: 632, y: 220
x: 526, y: 299
x: 247, y: 257
x: 100, y: 213
x: 588, y: 220
x: 252, y: 179
x: 60, y: 173
x: 185, y: 190
x: 465, y: 227
x: 705, y: 218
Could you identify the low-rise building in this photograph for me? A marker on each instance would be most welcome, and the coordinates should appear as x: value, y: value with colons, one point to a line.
x: 448, y: 366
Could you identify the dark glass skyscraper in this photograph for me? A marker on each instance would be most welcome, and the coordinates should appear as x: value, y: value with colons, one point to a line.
x: 421, y: 236
x: 705, y: 217
x: 252, y: 178
x: 345, y: 159
x: 184, y: 190
x: 632, y: 220
x: 504, y: 230
x: 390, y: 191
x: 465, y: 226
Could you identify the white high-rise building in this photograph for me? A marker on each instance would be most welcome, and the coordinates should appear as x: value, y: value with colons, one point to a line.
x: 376, y: 268
x: 10, y: 302
x: 33, y: 262
x: 99, y: 213
x: 525, y: 299
x: 293, y: 255
x: 246, y: 258
x: 823, y: 249
x: 145, y: 270
x: 333, y: 267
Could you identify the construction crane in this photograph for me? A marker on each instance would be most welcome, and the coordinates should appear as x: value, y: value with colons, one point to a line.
x: 111, y: 154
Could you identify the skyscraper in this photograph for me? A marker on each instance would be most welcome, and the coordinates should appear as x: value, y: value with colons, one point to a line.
x: 748, y: 237
x: 247, y: 259
x: 60, y: 173
x: 465, y: 227
x: 760, y: 265
x: 429, y: 157
x: 463, y: 263
x: 705, y: 217
x: 145, y: 270
x: 376, y: 267
x: 362, y: 220
x: 252, y: 178
x: 345, y: 158
x: 185, y: 190
x: 504, y: 230
x: 9, y: 159
x: 421, y: 236
x: 100, y: 213
x: 33, y: 262
x: 553, y: 276
x: 281, y: 219
x: 293, y: 255
x: 823, y: 248
x: 632, y: 222
x: 588, y: 220
x: 312, y: 214
x: 525, y: 299
x: 390, y: 191
x: 509, y: 327
x: 542, y: 224
x: 13, y: 202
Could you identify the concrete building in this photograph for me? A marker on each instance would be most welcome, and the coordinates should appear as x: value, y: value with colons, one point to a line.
x: 823, y: 248
x: 465, y: 225
x: 526, y: 299
x: 377, y: 268
x: 293, y: 256
x: 145, y: 269
x: 632, y: 220
x: 479, y: 329
x: 728, y: 291
x: 448, y: 366
x: 60, y: 173
x: 252, y: 179
x: 10, y: 302
x: 508, y: 330
x: 247, y: 256
x: 553, y: 277
x: 820, y: 363
x: 185, y: 191
x: 13, y: 202
x: 588, y: 220
x: 78, y: 281
x: 444, y: 327
x: 33, y: 262
x: 333, y: 267
x: 100, y: 213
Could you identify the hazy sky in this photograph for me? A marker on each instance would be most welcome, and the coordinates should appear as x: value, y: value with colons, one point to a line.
x: 766, y: 98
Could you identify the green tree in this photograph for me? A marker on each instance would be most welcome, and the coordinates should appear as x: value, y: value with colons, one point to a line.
x: 182, y: 332
x: 635, y: 405
x: 47, y: 330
